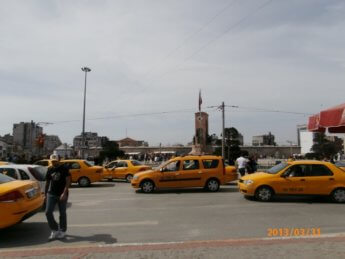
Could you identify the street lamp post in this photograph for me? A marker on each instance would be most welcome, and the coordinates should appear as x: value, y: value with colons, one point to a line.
x: 84, y: 69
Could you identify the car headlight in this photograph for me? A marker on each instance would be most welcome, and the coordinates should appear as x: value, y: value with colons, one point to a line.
x: 248, y: 182
x: 135, y: 177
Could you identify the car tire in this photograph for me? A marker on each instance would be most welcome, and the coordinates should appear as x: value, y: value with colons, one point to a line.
x: 264, y: 193
x: 84, y: 182
x: 147, y: 186
x: 129, y: 178
x: 212, y: 185
x: 338, y: 195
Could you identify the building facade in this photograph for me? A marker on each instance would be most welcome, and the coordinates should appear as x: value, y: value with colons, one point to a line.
x: 25, y: 135
x: 50, y: 143
x: 264, y: 140
x: 129, y: 142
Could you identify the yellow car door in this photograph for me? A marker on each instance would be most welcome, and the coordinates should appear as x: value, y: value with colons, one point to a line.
x: 191, y: 174
x: 121, y: 169
x: 74, y: 170
x: 291, y: 181
x: 320, y: 180
x: 168, y: 175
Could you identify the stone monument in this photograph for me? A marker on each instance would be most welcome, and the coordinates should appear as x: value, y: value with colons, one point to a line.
x: 200, y: 145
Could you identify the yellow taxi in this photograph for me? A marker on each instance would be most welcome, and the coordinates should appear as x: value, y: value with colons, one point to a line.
x: 82, y: 172
x: 44, y: 162
x: 4, y: 163
x: 184, y: 172
x: 123, y: 169
x: 296, y: 178
x: 19, y: 200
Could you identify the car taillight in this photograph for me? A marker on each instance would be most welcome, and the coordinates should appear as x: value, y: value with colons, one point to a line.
x: 11, y: 197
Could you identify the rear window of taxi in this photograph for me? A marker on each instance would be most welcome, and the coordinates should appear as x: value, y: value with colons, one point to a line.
x: 210, y: 163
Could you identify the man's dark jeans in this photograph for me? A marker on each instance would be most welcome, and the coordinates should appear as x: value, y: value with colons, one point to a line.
x: 51, y: 202
x: 242, y: 171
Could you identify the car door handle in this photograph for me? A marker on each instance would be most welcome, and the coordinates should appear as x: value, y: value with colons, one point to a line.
x: 331, y: 179
x: 177, y: 173
x: 200, y: 172
x: 302, y: 180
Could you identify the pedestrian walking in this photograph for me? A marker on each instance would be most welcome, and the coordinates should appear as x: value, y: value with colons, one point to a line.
x: 251, y: 165
x: 58, y: 180
x: 241, y: 164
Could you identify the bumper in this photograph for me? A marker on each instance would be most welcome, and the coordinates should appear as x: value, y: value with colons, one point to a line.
x: 247, y: 190
x: 135, y: 184
x: 21, y: 212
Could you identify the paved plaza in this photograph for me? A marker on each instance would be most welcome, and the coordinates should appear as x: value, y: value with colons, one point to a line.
x: 113, y: 220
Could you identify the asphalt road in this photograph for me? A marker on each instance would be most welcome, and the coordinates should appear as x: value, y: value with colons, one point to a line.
x: 114, y: 214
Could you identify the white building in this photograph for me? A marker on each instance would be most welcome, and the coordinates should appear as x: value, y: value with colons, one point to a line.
x: 4, y: 149
x: 64, y: 151
x: 305, y: 139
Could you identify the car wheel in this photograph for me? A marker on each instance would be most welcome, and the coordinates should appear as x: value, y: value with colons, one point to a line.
x: 147, y: 186
x: 212, y: 185
x: 338, y: 195
x: 84, y: 182
x: 264, y: 194
x: 129, y: 178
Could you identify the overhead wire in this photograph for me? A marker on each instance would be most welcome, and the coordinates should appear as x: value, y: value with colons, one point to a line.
x: 188, y: 38
x: 209, y: 108
x: 230, y: 28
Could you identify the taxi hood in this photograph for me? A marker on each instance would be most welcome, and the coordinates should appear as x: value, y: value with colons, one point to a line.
x: 257, y: 175
x: 143, y: 173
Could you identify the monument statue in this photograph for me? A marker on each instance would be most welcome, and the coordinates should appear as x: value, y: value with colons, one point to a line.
x: 200, y: 145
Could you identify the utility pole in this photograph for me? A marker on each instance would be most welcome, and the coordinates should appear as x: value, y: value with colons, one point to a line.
x: 223, y: 129
x: 86, y: 70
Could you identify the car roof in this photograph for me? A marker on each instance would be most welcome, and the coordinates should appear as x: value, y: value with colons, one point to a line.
x: 198, y: 157
x: 19, y: 166
x: 315, y: 162
x: 72, y: 160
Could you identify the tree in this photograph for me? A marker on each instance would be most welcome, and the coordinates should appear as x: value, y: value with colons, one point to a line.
x: 110, y: 151
x: 324, y: 148
x: 232, y: 148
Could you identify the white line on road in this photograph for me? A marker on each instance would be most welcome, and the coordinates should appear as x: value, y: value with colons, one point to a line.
x: 116, y: 224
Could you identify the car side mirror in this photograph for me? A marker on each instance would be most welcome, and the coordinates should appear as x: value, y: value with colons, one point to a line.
x: 284, y: 175
x: 161, y: 170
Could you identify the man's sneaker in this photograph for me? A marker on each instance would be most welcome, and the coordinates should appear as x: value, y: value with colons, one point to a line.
x: 53, y: 235
x: 61, y: 234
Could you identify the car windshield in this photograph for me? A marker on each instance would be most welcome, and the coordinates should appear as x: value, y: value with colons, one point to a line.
x: 277, y: 168
x: 136, y: 163
x: 340, y: 164
x: 39, y: 172
x: 87, y: 164
x: 5, y: 179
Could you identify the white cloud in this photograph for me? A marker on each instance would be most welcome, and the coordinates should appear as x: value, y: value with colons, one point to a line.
x: 288, y: 56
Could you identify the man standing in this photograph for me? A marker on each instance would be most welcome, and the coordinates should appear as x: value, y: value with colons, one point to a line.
x: 58, y: 180
x: 241, y: 164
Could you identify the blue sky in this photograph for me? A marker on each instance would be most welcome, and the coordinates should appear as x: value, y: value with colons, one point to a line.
x: 151, y: 56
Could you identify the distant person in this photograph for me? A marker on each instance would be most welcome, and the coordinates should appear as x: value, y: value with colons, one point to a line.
x: 251, y: 165
x: 241, y: 164
x: 58, y: 180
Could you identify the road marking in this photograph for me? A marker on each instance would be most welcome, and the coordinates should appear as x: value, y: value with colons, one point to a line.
x: 116, y: 224
x: 127, y: 247
x: 158, y: 246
